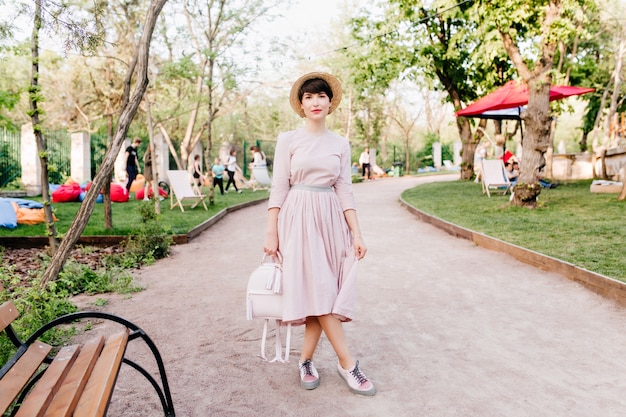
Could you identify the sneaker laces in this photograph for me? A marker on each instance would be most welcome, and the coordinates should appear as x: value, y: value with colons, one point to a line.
x: 306, y: 366
x: 358, y: 374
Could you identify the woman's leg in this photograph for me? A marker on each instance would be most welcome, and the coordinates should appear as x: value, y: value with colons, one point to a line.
x: 312, y: 333
x: 334, y: 331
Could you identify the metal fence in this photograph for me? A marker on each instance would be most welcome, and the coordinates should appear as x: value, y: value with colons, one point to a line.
x: 59, y: 155
x: 10, y: 166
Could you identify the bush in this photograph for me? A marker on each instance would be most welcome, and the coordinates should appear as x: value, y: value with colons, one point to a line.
x: 149, y: 242
x: 37, y: 307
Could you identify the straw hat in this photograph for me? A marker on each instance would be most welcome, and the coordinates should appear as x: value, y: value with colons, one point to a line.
x: 333, y: 82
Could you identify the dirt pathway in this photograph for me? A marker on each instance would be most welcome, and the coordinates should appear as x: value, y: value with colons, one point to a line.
x: 443, y: 328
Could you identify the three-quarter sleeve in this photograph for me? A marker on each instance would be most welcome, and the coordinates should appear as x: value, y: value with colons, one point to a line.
x: 281, y: 172
x: 343, y: 186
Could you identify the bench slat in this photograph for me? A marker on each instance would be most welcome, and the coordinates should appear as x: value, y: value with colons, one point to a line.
x: 42, y: 394
x: 95, y: 398
x: 67, y: 397
x: 21, y: 372
x: 8, y: 313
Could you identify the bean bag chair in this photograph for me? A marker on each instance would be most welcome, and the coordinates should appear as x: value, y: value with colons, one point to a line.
x: 8, y: 218
x: 119, y: 194
x: 140, y: 194
x: 31, y: 215
x: 66, y: 193
x: 138, y: 184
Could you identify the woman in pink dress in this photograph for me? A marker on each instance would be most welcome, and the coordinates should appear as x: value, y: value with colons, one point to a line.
x: 312, y: 221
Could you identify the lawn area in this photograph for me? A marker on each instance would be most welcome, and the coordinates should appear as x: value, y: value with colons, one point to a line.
x: 571, y: 223
x: 126, y: 216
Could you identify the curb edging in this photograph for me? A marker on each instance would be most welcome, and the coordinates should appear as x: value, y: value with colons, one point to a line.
x: 600, y: 284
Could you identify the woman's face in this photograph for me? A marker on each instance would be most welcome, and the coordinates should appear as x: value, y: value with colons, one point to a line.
x: 315, y: 105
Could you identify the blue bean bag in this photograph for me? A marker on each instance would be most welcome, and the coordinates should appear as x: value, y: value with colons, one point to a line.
x: 8, y: 218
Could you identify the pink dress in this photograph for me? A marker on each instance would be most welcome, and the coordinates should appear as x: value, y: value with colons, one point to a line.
x: 312, y: 186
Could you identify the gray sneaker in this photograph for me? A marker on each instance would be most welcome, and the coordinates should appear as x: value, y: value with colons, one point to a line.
x: 309, y: 378
x: 356, y: 380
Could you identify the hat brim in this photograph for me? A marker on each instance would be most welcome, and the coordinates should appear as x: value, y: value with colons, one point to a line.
x: 333, y: 83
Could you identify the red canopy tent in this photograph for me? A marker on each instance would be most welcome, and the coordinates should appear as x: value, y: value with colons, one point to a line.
x: 508, y: 101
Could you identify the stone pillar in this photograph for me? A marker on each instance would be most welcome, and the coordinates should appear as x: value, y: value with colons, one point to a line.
x: 80, y: 159
x: 31, y: 166
x: 457, y: 147
x: 437, y: 155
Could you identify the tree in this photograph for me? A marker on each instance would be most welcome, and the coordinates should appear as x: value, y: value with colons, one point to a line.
x: 138, y: 70
x: 544, y: 22
x: 442, y: 44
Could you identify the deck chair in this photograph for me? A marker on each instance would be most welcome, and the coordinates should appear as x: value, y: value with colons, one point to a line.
x: 493, y: 175
x: 182, y: 192
x: 260, y: 178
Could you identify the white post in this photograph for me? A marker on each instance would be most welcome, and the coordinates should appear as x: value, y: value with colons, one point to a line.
x: 31, y: 165
x: 80, y: 159
x: 437, y: 155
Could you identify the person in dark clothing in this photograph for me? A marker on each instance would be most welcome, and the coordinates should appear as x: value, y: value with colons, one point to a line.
x: 132, y: 162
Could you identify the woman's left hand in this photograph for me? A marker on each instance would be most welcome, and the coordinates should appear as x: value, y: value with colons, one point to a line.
x: 359, y: 247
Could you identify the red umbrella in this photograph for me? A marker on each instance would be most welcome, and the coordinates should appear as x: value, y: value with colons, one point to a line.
x: 507, y: 101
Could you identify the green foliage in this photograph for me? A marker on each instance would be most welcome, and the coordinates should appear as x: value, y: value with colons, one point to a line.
x: 126, y: 216
x: 424, y: 156
x: 36, y: 306
x: 39, y: 306
x: 76, y: 278
x: 149, y: 242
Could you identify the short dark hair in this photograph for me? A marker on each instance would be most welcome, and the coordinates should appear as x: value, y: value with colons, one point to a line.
x: 315, y: 86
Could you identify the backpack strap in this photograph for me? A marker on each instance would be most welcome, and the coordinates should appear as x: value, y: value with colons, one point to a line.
x: 279, y: 347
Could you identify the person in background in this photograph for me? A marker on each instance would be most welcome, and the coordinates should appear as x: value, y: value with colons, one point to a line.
x: 218, y: 171
x: 197, y: 172
x: 364, y: 161
x: 258, y: 157
x: 479, y: 154
x: 147, y: 173
x: 231, y: 168
x: 512, y: 171
x: 132, y: 163
x: 312, y: 221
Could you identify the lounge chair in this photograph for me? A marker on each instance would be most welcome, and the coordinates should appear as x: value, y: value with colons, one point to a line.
x: 260, y: 178
x: 493, y: 175
x: 182, y: 191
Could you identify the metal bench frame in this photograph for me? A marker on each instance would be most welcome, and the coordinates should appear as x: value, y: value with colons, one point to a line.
x: 162, y: 390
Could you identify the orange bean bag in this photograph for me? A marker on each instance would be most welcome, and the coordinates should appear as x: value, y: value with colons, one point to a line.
x: 30, y: 216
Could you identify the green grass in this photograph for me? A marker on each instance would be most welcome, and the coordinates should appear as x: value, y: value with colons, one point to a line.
x: 126, y: 216
x: 571, y: 223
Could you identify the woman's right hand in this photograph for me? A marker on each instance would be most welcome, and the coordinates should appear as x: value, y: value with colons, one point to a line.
x: 271, y: 244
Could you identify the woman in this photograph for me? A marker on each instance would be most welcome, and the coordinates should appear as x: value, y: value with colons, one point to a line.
x: 147, y: 173
x: 312, y: 221
x: 231, y: 168
x: 258, y: 157
x: 197, y: 172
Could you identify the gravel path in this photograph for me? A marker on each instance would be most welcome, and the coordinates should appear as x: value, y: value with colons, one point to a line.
x: 443, y: 328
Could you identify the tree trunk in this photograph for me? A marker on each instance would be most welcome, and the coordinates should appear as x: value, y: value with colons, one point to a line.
x: 130, y: 104
x: 536, y: 117
x: 34, y: 98
x: 106, y: 190
x: 467, y: 148
x: 154, y: 166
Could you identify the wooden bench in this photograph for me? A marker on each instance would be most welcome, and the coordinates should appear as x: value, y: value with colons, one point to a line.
x: 79, y: 379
